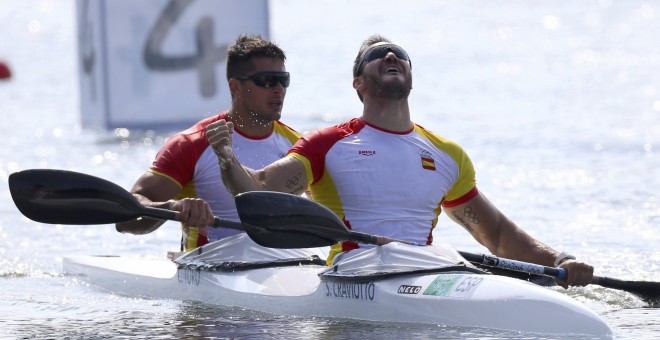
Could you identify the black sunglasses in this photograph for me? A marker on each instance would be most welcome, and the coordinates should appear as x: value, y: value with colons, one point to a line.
x: 268, y: 79
x: 381, y: 51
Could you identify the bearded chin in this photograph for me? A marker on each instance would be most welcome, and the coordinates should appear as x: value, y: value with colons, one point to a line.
x: 396, y: 91
x: 392, y: 90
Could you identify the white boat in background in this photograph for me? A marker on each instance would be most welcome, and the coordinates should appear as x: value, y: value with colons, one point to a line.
x: 390, y: 283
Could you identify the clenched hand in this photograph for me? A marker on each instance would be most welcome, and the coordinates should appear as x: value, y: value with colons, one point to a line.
x: 219, y: 135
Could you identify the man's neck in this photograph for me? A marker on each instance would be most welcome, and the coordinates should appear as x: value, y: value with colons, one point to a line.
x: 392, y: 115
x: 249, y: 126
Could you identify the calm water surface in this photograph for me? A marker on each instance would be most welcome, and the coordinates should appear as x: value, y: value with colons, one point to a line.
x: 558, y: 104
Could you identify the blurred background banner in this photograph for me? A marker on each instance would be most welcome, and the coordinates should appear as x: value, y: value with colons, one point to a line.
x: 158, y: 64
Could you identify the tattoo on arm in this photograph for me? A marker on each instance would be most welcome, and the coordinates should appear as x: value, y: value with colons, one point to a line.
x: 294, y: 182
x: 471, y: 217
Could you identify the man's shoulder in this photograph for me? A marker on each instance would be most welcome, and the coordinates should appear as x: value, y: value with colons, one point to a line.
x: 318, y: 142
x: 340, y: 130
x: 435, y: 138
x: 285, y: 130
x: 195, y: 133
x: 282, y: 125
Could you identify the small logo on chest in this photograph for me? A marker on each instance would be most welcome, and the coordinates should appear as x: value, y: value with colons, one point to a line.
x: 428, y: 162
x: 367, y: 152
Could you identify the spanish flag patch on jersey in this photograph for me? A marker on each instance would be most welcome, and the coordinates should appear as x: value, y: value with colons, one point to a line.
x: 428, y: 163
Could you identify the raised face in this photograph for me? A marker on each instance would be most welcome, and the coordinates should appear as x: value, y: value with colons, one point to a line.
x: 385, y: 72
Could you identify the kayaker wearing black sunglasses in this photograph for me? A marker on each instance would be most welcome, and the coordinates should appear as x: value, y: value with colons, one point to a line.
x: 267, y: 79
x: 185, y: 175
x: 382, y: 174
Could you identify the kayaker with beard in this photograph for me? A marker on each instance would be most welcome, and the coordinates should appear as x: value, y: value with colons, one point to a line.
x: 383, y: 174
x: 184, y: 177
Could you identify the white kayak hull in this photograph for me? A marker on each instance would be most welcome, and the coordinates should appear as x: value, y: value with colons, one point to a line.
x: 447, y: 298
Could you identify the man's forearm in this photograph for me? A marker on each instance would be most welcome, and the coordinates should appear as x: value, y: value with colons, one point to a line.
x: 143, y: 225
x: 517, y: 244
x: 238, y: 178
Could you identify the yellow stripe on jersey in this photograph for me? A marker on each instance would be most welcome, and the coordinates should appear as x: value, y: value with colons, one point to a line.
x: 190, y: 239
x: 154, y: 171
x: 307, y: 165
x: 329, y: 197
x: 290, y: 134
x: 188, y: 191
x: 467, y: 177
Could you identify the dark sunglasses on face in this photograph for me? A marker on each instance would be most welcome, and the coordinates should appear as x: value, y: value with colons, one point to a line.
x: 381, y: 51
x: 268, y: 79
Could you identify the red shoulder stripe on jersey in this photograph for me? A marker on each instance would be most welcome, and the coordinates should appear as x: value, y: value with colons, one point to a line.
x: 178, y: 157
x: 316, y: 144
x: 470, y: 195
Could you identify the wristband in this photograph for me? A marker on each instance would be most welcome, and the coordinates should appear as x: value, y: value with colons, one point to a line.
x: 563, y: 257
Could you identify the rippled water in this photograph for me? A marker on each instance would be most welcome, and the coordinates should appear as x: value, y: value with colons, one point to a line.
x: 558, y: 104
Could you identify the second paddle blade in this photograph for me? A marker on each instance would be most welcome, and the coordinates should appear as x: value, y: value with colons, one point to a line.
x: 280, y: 220
x: 66, y: 197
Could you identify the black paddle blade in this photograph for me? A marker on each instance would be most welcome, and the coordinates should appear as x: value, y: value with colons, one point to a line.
x: 280, y: 220
x: 66, y: 197
x: 645, y: 290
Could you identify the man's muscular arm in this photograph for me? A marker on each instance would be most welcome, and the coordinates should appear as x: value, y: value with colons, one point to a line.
x: 285, y: 175
x: 157, y: 191
x: 504, y: 238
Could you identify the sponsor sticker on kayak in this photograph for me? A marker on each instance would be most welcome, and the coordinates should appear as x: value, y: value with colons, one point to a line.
x: 356, y: 291
x: 454, y: 285
x: 407, y: 289
x: 188, y: 276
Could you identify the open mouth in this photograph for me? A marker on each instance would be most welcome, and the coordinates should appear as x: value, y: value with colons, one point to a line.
x: 392, y: 69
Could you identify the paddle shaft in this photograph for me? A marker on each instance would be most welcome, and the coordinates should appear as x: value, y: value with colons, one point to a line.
x: 525, y: 267
x: 165, y: 214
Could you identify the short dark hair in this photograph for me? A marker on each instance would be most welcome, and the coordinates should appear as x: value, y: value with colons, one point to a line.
x: 374, y: 39
x: 247, y: 47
